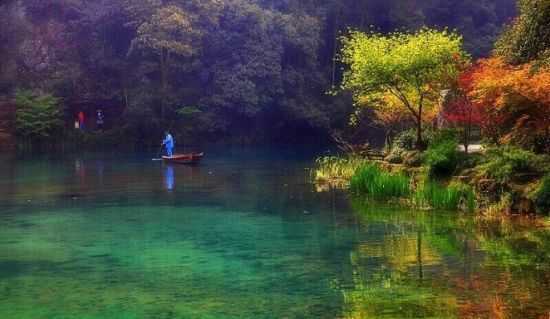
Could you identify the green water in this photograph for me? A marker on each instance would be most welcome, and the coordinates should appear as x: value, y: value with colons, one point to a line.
x: 246, y: 235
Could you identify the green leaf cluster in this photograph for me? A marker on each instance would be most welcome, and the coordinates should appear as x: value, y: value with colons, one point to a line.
x: 542, y: 196
x: 442, y: 158
x: 528, y: 38
x: 400, y: 63
x: 38, y: 117
x: 411, y: 67
x: 502, y: 163
x: 168, y: 30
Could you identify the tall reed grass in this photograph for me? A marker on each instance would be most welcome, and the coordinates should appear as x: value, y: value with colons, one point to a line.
x: 372, y: 180
x: 452, y: 197
x: 376, y: 183
x: 367, y: 178
x: 332, y: 168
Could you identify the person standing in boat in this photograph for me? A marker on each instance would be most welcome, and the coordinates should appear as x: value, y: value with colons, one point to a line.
x: 168, y: 143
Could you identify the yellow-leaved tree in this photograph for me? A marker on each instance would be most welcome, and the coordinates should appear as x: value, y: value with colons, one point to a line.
x: 411, y: 68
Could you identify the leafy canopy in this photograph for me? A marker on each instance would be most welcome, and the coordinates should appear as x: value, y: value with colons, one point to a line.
x: 528, y: 38
x: 516, y: 98
x: 397, y: 62
x: 169, y: 29
x: 413, y: 68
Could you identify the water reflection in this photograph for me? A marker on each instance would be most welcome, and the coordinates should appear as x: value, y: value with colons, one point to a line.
x: 80, y: 171
x: 248, y: 237
x: 169, y: 177
x: 440, y: 265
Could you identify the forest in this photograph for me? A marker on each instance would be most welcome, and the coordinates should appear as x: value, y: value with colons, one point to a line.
x: 251, y: 71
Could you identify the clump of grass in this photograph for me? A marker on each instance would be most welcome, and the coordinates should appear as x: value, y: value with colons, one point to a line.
x: 367, y: 178
x: 497, y: 211
x: 452, y: 197
x: 332, y: 168
x: 371, y: 180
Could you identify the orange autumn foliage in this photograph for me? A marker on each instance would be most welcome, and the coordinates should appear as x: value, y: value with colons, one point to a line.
x: 515, y: 97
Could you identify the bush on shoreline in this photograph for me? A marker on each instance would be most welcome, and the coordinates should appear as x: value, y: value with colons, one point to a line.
x: 502, y: 163
x: 542, y: 196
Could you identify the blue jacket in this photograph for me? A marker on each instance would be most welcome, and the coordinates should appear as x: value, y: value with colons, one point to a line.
x: 168, y: 141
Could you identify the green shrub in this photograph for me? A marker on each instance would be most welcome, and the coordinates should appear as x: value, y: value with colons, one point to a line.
x: 444, y: 135
x: 371, y: 180
x: 406, y: 140
x: 542, y: 196
x: 38, y: 117
x: 501, y: 163
x: 441, y: 158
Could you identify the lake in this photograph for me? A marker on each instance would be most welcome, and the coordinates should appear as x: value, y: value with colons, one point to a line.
x: 246, y: 234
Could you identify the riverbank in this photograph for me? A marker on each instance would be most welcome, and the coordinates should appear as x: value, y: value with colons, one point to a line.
x: 499, y: 181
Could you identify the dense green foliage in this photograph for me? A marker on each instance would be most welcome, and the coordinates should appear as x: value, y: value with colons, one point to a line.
x: 255, y: 68
x: 442, y: 156
x: 38, y: 117
x: 503, y: 163
x: 542, y: 196
x: 406, y: 139
x: 411, y: 68
x: 528, y: 38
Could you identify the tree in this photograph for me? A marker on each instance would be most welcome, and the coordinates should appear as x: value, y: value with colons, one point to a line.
x: 38, y: 117
x: 517, y: 99
x: 528, y: 38
x: 388, y: 113
x: 413, y: 68
x: 459, y: 110
x: 166, y: 33
x: 257, y: 67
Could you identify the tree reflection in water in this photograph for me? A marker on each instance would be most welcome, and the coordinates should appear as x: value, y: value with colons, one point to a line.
x: 443, y: 265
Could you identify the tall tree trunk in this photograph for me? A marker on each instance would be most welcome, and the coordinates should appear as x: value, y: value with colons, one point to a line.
x: 163, y: 82
x: 419, y: 141
x: 468, y: 132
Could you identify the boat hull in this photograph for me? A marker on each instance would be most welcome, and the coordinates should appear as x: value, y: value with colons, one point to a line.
x: 188, y: 159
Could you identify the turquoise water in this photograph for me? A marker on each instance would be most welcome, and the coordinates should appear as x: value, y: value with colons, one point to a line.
x: 247, y: 235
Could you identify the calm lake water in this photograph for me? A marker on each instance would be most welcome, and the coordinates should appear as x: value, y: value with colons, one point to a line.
x: 246, y: 235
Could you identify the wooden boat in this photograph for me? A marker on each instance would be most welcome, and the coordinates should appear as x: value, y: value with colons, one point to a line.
x: 188, y: 158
